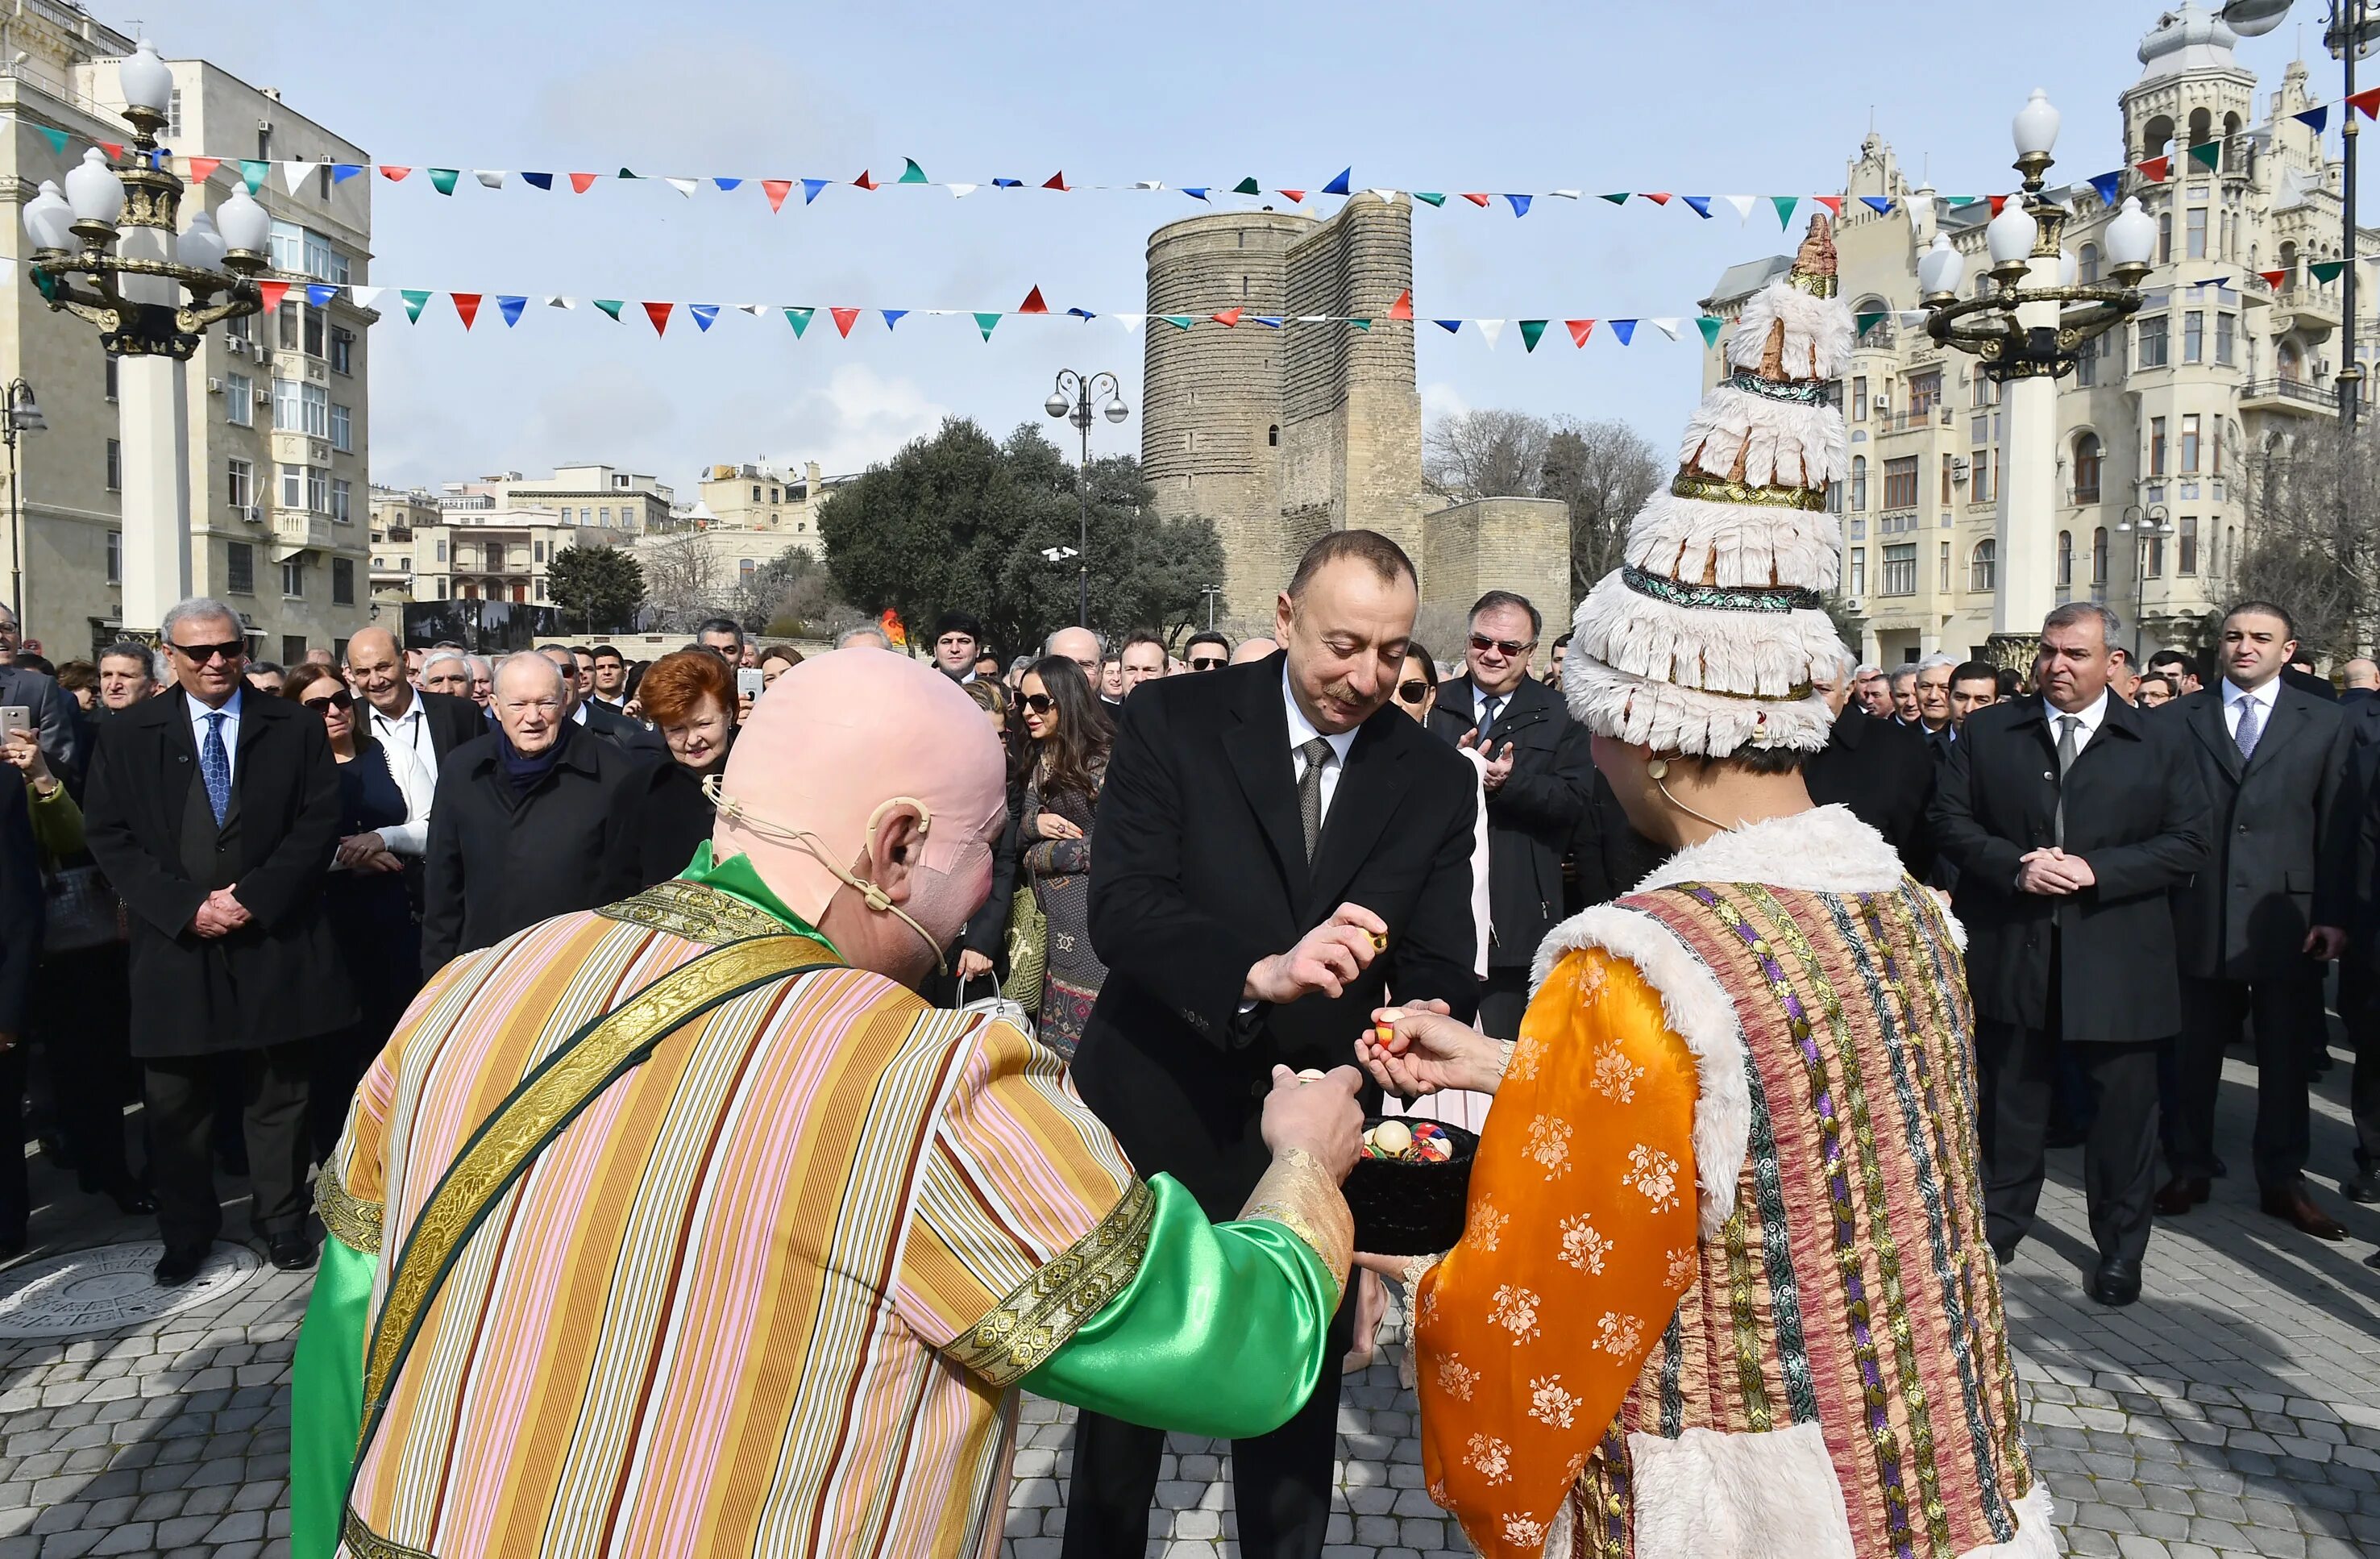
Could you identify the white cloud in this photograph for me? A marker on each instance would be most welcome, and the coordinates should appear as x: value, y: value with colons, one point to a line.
x: 1441, y: 400
x: 860, y: 418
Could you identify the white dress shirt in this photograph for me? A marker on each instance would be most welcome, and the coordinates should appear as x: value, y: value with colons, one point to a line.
x: 230, y: 712
x: 1300, y: 731
x: 2234, y: 695
x: 2090, y: 714
x: 413, y: 763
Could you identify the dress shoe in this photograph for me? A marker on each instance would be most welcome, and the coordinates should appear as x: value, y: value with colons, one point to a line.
x: 178, y: 1267
x: 2363, y: 1186
x: 2117, y: 1280
x: 2180, y: 1194
x: 131, y: 1198
x: 291, y: 1253
x: 2296, y: 1207
x: 2003, y: 1254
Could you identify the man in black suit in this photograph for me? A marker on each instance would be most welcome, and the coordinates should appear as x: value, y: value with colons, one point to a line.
x: 630, y: 734
x: 1540, y: 777
x: 2070, y: 817
x: 1882, y: 770
x: 2359, y: 968
x: 2271, y: 908
x: 213, y: 811
x: 1261, y: 827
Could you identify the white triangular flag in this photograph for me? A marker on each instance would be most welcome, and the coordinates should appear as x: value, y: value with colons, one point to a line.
x: 363, y: 296
x: 294, y: 175
x: 1147, y: 184
x: 685, y: 187
x: 1909, y: 319
x: 1490, y: 329
x: 1563, y: 194
x: 961, y: 192
x: 493, y: 177
x: 1667, y: 327
x: 1317, y: 319
x: 558, y: 302
x: 1743, y: 204
x: 1130, y: 322
x: 1387, y: 196
x: 755, y: 309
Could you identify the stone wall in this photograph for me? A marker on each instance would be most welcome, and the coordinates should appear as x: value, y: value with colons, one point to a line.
x: 1519, y: 545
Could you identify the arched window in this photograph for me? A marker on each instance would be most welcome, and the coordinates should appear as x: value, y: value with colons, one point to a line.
x: 2086, y: 468
x: 2291, y: 366
x: 1859, y: 483
x: 1983, y: 567
x: 2230, y: 144
x: 2099, y: 557
x: 2202, y: 127
x: 1874, y: 318
x: 2289, y: 264
x: 2154, y: 137
x: 2087, y: 264
x: 1272, y: 435
x: 2065, y: 559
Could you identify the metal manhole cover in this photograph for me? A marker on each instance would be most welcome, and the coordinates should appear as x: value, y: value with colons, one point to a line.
x: 86, y: 1291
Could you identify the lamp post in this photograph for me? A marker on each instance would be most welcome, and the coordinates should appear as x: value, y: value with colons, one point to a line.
x: 1072, y: 400
x: 2142, y: 525
x: 23, y: 416
x: 2027, y: 337
x: 134, y: 296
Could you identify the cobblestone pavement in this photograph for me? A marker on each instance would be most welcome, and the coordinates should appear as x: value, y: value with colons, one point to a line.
x: 2234, y: 1411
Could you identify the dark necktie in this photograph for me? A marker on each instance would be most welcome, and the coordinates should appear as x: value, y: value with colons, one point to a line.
x: 1489, y: 711
x: 2066, y: 749
x: 214, y: 767
x: 1309, y: 791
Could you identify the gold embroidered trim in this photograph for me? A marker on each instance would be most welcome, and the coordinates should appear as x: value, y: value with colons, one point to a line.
x: 364, y: 1543
x: 353, y: 1223
x: 696, y: 912
x: 1304, y: 1198
x: 1817, y: 287
x: 1720, y: 490
x: 1033, y: 1319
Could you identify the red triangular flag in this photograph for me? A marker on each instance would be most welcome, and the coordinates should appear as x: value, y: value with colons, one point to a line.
x: 114, y: 150
x: 863, y: 181
x: 467, y: 305
x: 1832, y: 202
x: 203, y: 168
x: 1402, y: 307
x: 659, y: 313
x: 582, y: 182
x: 1227, y: 319
x: 272, y: 292
x: 394, y: 174
x: 2154, y: 170
x: 2274, y: 278
x: 842, y: 318
x: 1996, y: 202
x: 1483, y: 200
x: 2367, y: 101
x: 1297, y: 197
x: 778, y: 189
x: 1579, y: 331
x: 1658, y: 199
x: 1033, y: 304
x: 1056, y: 180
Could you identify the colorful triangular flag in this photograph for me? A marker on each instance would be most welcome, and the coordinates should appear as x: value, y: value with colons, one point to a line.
x: 444, y: 179
x: 1490, y: 329
x: 864, y: 181
x: 1008, y: 184
x: 511, y: 309
x: 843, y: 320
x: 558, y: 302
x: 467, y: 305
x: 365, y: 296
x: 1452, y: 327
x: 392, y: 173
x: 1247, y: 186
x: 810, y: 187
x: 1867, y: 319
x: 1531, y: 331
x: 723, y: 185
x: 1086, y: 315
x: 2366, y: 103
x: 685, y: 187
x: 1402, y: 307
x: 1834, y: 203
x: 1624, y: 329
x: 320, y: 294
x: 1876, y: 203
x: 2154, y: 170
x: 582, y: 182
x: 254, y: 172
x: 538, y: 180
x: 1659, y: 198
x: 705, y: 315
x: 891, y: 316
x: 2274, y: 278
x: 489, y: 179
x: 202, y: 168
x: 1339, y: 185
x: 984, y: 322
x: 274, y: 292
x: 413, y: 300
x: 1520, y: 204
x: 1699, y: 204
x: 627, y: 173
x: 2207, y: 154
x: 800, y: 320
x: 1667, y: 327
x: 1297, y: 197
x: 660, y: 314
x: 1033, y: 304
x: 1708, y: 324
x: 911, y: 173
x: 777, y: 189
x: 1479, y: 200
x: 1178, y: 321
x: 1228, y: 319
x: 1055, y: 181
x: 1579, y: 331
x: 1618, y: 198
x: 611, y: 306
x: 56, y: 138
x: 1743, y: 205
x: 1995, y: 202
x: 1270, y: 321
x: 2316, y: 118
x: 1784, y: 204
x: 2107, y: 185
x: 960, y: 192
x: 2326, y: 270
x: 1196, y: 192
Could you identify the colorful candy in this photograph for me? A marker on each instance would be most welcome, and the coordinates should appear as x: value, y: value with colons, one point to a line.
x: 1409, y: 1142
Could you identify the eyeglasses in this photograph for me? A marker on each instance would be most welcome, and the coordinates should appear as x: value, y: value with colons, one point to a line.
x: 1207, y: 662
x: 1413, y: 691
x: 199, y: 654
x: 1040, y: 703
x: 1481, y: 644
x: 342, y: 698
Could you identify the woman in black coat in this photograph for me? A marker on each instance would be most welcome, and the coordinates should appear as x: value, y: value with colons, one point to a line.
x: 690, y: 697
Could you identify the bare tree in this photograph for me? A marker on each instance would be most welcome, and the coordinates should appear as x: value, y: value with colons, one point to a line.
x: 1604, y: 470
x: 683, y: 584
x: 2309, y: 543
x: 1485, y: 454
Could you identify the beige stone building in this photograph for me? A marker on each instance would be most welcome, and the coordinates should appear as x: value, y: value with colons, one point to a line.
x: 396, y: 514
x: 765, y: 500
x: 2153, y: 427
x: 603, y: 497
x: 479, y: 554
x: 278, y: 415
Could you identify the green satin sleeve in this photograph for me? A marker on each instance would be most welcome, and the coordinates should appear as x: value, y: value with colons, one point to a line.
x: 327, y: 1399
x: 1219, y: 1333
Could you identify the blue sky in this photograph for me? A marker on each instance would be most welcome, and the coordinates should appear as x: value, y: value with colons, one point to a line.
x: 1718, y: 96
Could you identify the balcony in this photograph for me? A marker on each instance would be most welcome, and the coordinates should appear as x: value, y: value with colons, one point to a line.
x: 1907, y: 421
x: 2295, y: 395
x: 2306, y: 310
x: 295, y: 530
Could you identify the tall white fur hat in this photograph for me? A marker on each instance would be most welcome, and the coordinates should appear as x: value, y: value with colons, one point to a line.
x: 1707, y: 638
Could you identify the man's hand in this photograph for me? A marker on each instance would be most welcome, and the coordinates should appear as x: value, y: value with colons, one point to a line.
x: 2055, y: 873
x: 973, y: 965
x: 2325, y: 943
x: 209, y: 922
x: 1499, y: 764
x: 356, y: 847
x: 1318, y: 1114
x: 230, y: 910
x: 1424, y: 1050
x: 1325, y: 959
x: 381, y: 861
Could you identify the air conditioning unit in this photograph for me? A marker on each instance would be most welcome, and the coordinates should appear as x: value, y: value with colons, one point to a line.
x: 1957, y: 468
x: 215, y: 385
x: 256, y: 514
x: 1884, y: 403
x: 263, y: 396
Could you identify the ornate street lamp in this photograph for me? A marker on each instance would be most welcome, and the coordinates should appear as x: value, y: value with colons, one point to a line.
x: 1072, y: 400
x: 2154, y: 522
x: 2026, y: 229
x: 19, y: 414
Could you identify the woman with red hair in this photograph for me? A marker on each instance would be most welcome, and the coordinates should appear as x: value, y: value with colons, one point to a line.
x: 690, y: 695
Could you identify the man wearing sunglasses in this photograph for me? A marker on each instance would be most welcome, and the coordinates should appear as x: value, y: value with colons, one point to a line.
x: 1540, y: 778
x: 213, y: 810
x: 1207, y: 652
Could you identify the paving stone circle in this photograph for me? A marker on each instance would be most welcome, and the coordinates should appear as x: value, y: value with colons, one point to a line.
x: 84, y: 1293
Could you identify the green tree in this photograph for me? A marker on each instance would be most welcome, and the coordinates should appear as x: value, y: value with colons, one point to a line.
x: 959, y: 521
x: 600, y: 590
x: 792, y: 596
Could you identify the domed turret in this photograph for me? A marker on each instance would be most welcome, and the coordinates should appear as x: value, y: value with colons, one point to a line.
x: 2187, y: 38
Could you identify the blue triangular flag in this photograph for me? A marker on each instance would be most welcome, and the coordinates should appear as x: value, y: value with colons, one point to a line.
x: 56, y: 138
x: 811, y: 187
x: 1520, y: 204
x: 2314, y: 118
x: 320, y: 294
x: 538, y: 180
x: 1196, y: 191
x: 1622, y: 329
x: 704, y: 314
x: 1701, y: 205
x: 2105, y: 185
x: 891, y: 316
x: 511, y: 307
x: 1008, y: 184
x: 727, y: 183
x: 1082, y: 314
x: 342, y: 172
x: 1877, y: 203
x: 1450, y: 326
x: 1339, y: 185
x: 1270, y: 321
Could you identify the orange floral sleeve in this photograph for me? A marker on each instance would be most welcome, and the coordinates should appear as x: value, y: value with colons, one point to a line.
x: 1580, y: 1237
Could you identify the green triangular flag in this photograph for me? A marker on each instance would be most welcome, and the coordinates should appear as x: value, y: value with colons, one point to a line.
x: 625, y: 172
x: 2206, y: 154
x: 911, y: 173
x: 1247, y: 186
x: 255, y: 173
x: 1864, y: 322
x: 1710, y: 325
x: 444, y: 179
x: 1958, y: 201
x: 1360, y: 324
x: 1432, y: 196
x: 58, y: 138
x: 1178, y: 321
x: 984, y: 322
x: 800, y: 320
x: 611, y: 306
x: 2327, y: 270
x: 1619, y: 200
x: 1784, y: 204
x: 1530, y: 331
x: 413, y: 303
x: 47, y: 283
